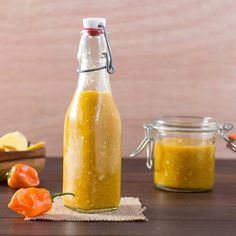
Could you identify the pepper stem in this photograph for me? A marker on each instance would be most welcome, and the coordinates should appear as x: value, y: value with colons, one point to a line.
x: 8, y: 173
x: 54, y: 195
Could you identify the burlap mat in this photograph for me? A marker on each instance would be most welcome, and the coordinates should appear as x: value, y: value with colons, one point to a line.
x: 129, y: 210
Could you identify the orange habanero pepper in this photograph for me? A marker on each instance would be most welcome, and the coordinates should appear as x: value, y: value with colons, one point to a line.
x: 32, y: 202
x: 22, y: 176
x: 232, y: 137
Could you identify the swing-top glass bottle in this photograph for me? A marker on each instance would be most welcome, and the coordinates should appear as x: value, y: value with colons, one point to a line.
x: 92, y: 130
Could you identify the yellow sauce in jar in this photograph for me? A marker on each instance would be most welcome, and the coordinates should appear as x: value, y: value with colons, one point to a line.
x: 184, y: 164
x: 92, y: 152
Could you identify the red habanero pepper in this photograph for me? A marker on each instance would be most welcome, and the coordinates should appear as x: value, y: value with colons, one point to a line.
x: 32, y: 202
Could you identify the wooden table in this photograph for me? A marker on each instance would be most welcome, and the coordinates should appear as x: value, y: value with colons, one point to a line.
x: 211, y: 213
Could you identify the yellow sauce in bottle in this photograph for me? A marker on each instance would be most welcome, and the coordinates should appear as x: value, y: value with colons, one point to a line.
x: 92, y: 152
x: 184, y: 164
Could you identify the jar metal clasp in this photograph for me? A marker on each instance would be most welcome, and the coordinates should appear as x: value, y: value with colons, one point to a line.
x: 222, y: 130
x: 148, y: 142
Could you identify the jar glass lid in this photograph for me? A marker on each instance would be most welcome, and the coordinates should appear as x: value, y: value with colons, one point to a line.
x: 185, y: 124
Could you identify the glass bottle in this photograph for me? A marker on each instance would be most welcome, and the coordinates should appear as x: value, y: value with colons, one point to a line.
x: 92, y: 130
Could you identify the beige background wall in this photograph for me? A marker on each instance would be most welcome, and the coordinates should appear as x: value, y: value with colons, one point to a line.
x: 171, y: 57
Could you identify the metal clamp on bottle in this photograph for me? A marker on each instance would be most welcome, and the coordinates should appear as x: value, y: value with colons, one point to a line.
x: 109, y: 65
x: 108, y: 55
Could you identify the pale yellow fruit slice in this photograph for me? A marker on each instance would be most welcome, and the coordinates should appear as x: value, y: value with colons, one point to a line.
x: 36, y: 146
x: 15, y: 140
x: 8, y: 148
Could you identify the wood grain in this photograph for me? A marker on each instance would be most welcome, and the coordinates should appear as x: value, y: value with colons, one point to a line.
x: 171, y: 57
x: 210, y: 213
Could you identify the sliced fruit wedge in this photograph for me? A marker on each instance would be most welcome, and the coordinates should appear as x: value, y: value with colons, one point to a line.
x: 14, y: 140
x: 36, y: 146
x: 8, y: 148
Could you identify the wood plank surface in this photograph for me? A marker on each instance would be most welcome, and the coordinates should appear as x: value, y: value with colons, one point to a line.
x: 171, y: 57
x: 210, y: 213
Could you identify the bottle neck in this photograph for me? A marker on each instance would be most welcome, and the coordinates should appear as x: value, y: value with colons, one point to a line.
x: 92, y: 45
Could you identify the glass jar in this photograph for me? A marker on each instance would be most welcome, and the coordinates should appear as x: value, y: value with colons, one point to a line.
x: 183, y: 148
